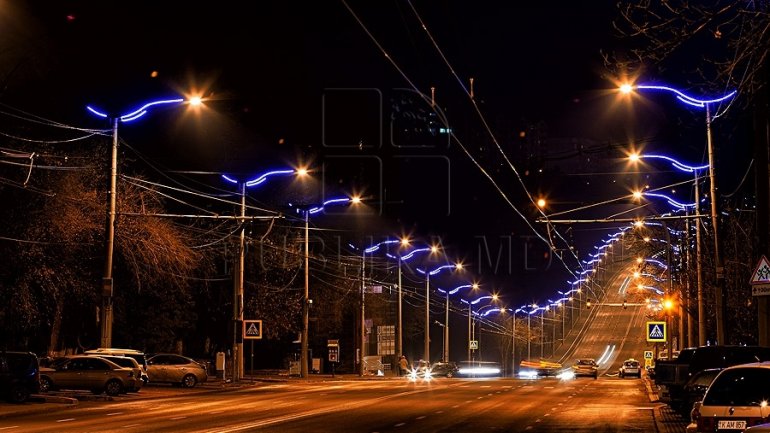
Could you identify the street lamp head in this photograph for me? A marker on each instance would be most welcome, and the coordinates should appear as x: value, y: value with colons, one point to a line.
x: 494, y: 297
x: 404, y: 242
x: 634, y: 157
x: 195, y: 101
x: 637, y: 195
x: 639, y: 223
x: 475, y: 286
x: 433, y: 249
x: 626, y: 88
x: 541, y: 203
x: 459, y: 266
x: 301, y: 172
x: 355, y: 199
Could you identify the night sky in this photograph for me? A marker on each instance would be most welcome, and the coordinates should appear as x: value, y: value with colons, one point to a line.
x: 302, y: 81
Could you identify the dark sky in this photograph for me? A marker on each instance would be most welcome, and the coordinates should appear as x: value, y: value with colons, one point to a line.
x: 302, y: 80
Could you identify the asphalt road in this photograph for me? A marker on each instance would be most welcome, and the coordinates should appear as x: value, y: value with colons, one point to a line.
x: 448, y: 405
x: 608, y: 404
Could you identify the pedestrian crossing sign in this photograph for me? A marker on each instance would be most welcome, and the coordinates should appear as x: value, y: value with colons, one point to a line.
x: 656, y: 332
x: 252, y: 329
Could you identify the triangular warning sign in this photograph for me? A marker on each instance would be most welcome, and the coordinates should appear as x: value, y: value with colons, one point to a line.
x: 252, y: 330
x: 761, y: 274
x: 656, y: 332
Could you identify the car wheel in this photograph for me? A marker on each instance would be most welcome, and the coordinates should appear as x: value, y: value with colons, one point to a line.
x: 189, y: 381
x: 18, y: 394
x: 621, y: 375
x: 45, y: 384
x: 449, y: 374
x: 113, y: 388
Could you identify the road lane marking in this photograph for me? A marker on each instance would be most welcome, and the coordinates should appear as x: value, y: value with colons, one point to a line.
x: 9, y: 427
x: 177, y: 418
x: 439, y: 412
x: 115, y: 413
x: 215, y: 412
x: 420, y: 417
x: 401, y: 424
x: 130, y: 425
x: 66, y: 420
x: 455, y: 406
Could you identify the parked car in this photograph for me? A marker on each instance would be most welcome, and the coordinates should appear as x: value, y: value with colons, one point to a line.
x: 19, y: 376
x: 671, y: 376
x: 88, y: 372
x: 736, y: 399
x: 138, y: 355
x: 585, y: 367
x: 696, y: 387
x: 630, y: 367
x: 125, y: 361
x: 446, y: 369
x: 175, y: 369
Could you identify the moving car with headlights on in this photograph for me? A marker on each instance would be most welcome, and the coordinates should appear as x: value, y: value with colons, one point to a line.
x: 630, y: 367
x: 585, y: 367
x: 736, y: 399
x: 175, y: 369
x: 445, y: 369
x: 88, y: 372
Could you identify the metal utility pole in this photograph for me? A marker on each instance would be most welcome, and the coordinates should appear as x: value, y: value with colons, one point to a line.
x: 362, y: 340
x: 426, y: 349
x: 720, y: 270
x: 303, y: 357
x: 446, y: 329
x: 238, y: 295
x: 106, y: 317
x: 399, y: 339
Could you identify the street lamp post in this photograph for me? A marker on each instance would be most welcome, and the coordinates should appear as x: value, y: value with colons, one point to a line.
x: 426, y: 349
x: 237, y: 348
x: 106, y: 313
x: 306, y: 299
x: 401, y: 259
x: 445, y: 352
x: 471, y: 322
x: 706, y: 104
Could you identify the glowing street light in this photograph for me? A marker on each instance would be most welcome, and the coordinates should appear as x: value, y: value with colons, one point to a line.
x: 428, y: 274
x: 106, y: 313
x: 473, y: 286
x: 306, y: 300
x: 627, y: 88
x: 405, y: 242
x: 237, y: 349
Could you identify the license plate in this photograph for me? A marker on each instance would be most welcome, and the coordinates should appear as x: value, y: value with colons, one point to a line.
x: 731, y: 425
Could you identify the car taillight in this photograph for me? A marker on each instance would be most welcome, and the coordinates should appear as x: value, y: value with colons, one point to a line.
x: 695, y: 412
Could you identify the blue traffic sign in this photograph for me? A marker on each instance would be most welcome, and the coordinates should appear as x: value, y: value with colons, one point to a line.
x: 656, y: 332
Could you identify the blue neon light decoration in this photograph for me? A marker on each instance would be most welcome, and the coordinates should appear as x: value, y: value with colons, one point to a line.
x: 376, y: 247
x: 261, y: 178
x: 437, y: 270
x: 139, y: 112
x: 670, y: 200
x: 687, y: 99
x: 674, y: 163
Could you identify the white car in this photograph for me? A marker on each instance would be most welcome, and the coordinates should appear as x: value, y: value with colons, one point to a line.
x: 737, y: 399
x: 630, y: 367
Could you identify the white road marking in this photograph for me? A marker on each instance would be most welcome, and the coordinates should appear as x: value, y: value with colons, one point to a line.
x: 9, y: 427
x: 66, y: 420
x: 439, y: 412
x: 401, y: 424
x: 114, y: 413
x: 420, y: 417
x: 216, y: 412
x: 178, y: 417
x: 130, y: 425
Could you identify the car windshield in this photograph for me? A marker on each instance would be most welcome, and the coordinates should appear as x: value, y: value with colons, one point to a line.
x: 585, y: 362
x: 740, y: 387
x: 633, y: 364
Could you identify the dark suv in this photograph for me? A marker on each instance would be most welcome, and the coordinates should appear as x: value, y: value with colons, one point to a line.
x: 19, y: 376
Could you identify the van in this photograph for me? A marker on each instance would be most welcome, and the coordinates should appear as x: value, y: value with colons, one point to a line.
x: 19, y: 376
x: 138, y: 355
